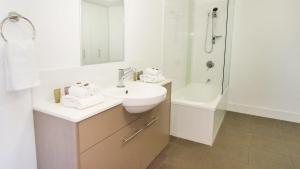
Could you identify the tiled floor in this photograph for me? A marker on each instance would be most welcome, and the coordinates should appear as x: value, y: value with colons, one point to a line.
x: 243, y: 142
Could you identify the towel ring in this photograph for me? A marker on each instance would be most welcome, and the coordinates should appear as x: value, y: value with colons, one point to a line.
x: 15, y: 17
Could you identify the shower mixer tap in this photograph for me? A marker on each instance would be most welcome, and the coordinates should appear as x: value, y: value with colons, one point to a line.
x: 208, y: 81
x: 210, y: 64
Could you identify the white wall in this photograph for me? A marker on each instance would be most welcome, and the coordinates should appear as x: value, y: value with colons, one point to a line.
x: 265, y: 77
x: 144, y: 32
x: 58, y: 48
x: 176, y: 45
x: 58, y: 32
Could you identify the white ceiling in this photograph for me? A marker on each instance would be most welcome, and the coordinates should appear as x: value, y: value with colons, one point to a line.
x: 107, y: 2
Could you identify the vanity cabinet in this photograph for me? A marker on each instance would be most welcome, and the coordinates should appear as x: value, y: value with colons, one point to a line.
x: 114, y: 139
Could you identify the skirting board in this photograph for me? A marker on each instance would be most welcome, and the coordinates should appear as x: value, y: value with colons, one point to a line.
x: 264, y: 112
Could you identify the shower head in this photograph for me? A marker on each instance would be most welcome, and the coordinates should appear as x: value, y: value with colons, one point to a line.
x: 214, y: 13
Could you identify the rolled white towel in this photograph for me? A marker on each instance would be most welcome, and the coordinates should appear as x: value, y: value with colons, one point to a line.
x: 93, y: 89
x: 152, y: 71
x: 81, y: 103
x: 152, y: 79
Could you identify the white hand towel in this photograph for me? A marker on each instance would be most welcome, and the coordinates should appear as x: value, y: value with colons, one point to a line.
x: 81, y: 103
x: 20, y: 65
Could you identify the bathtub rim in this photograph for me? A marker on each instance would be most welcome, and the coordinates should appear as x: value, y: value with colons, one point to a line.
x: 212, y: 105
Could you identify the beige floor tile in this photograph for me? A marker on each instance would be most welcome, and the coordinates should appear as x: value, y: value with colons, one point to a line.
x: 230, y: 137
x: 268, y: 160
x: 293, y: 148
x: 229, y: 165
x: 239, y: 154
x: 255, y: 167
x: 158, y: 162
x: 269, y: 144
x: 188, y: 161
x: 266, y: 127
x: 236, y: 122
x: 185, y: 158
x: 291, y: 131
x: 168, y: 166
x: 296, y: 161
x: 218, y: 161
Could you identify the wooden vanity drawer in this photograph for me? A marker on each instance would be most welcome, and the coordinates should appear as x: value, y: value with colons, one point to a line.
x: 113, y: 152
x: 99, y: 127
x: 149, y: 115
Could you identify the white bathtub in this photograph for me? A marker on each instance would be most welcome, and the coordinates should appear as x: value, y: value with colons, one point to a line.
x: 196, y: 113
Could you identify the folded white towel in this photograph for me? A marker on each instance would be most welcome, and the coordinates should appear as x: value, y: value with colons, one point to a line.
x: 20, y: 65
x: 81, y: 103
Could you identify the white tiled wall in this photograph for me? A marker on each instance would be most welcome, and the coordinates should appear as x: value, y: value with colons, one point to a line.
x: 176, y: 46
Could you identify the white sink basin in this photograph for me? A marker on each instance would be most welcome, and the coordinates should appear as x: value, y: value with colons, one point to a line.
x: 138, y: 97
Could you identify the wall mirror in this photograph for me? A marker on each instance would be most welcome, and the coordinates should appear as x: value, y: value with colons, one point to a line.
x: 102, y: 31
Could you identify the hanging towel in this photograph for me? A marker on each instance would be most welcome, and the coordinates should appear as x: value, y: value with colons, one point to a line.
x: 20, y: 65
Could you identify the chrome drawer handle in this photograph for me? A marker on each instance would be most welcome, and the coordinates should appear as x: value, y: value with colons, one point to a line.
x: 125, y: 140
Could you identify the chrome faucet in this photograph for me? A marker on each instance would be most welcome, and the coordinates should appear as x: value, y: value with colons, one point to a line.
x: 123, y: 73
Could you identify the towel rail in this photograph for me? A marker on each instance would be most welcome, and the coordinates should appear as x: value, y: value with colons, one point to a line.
x: 15, y: 17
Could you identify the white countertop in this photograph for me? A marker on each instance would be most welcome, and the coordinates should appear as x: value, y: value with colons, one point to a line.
x: 72, y: 114
x: 76, y: 115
